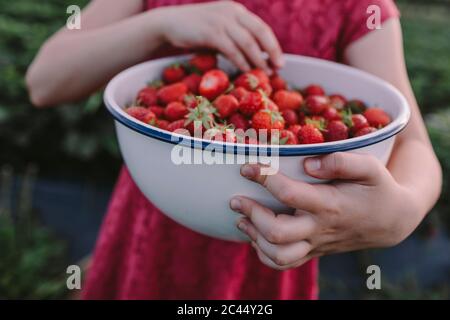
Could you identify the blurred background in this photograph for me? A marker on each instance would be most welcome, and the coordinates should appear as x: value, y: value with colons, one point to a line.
x: 58, y: 167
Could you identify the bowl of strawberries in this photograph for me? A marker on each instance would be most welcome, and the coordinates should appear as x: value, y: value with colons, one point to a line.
x: 185, y: 125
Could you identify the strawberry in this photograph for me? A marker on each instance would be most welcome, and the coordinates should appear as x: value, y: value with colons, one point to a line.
x: 290, y: 116
x: 141, y: 114
x: 336, y: 130
x: 295, y: 129
x: 364, y: 131
x: 239, y: 92
x: 147, y: 96
x: 162, y: 124
x: 175, y: 111
x: 314, y: 90
x: 192, y: 81
x: 266, y: 88
x: 288, y: 99
x: 248, y: 81
x: 261, y: 75
x: 330, y: 114
x: 157, y: 110
x: 317, y: 121
x: 201, y: 117
x: 356, y: 106
x: 173, y: 126
x: 220, y: 132
x: 301, y: 117
x: 309, y: 134
x: 226, y: 105
x: 288, y: 137
x: 203, y: 62
x: 268, y: 120
x: 213, y: 83
x: 278, y: 83
x: 172, y: 92
x: 251, y: 103
x: 189, y: 100
x: 315, y: 104
x: 358, y: 122
x: 173, y: 73
x: 337, y: 101
x: 239, y: 121
x: 377, y: 117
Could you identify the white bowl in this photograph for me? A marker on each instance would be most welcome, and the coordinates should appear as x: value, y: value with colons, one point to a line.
x: 197, y: 195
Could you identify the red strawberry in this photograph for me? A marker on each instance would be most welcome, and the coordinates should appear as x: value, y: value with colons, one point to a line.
x: 330, y: 114
x: 261, y: 75
x: 147, y: 96
x: 213, y: 83
x: 314, y: 90
x: 295, y: 129
x: 336, y: 130
x: 288, y: 99
x: 337, y: 101
x: 203, y: 62
x: 290, y: 116
x: 157, y: 110
x: 239, y: 121
x: 189, y: 100
x: 247, y: 81
x: 178, y: 124
x: 358, y: 122
x: 220, y: 133
x: 141, y: 114
x: 266, y: 88
x: 192, y: 81
x: 377, y: 117
x: 172, y: 92
x: 251, y: 103
x: 254, y: 80
x: 239, y: 92
x: 162, y: 124
x: 364, y: 131
x: 175, y: 111
x: 288, y: 137
x: 316, y: 104
x: 201, y: 117
x: 356, y: 106
x: 278, y: 83
x: 173, y: 73
x: 226, y: 105
x: 267, y: 119
x: 309, y: 134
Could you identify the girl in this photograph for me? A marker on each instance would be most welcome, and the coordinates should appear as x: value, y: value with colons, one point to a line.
x: 141, y: 254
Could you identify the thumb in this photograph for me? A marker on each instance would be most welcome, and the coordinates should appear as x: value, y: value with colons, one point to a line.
x: 345, y: 166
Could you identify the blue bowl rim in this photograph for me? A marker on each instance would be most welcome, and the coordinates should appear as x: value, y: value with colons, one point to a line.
x: 396, y: 126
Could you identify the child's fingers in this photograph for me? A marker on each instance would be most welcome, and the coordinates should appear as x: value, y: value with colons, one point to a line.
x: 345, y: 165
x: 248, y: 45
x: 265, y: 36
x: 272, y: 264
x: 276, y: 229
x: 228, y: 48
x: 293, y: 193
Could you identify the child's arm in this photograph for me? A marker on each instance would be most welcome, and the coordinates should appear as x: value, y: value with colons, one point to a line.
x: 367, y: 205
x: 116, y: 34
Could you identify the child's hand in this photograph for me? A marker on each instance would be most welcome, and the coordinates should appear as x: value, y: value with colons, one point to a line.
x: 226, y: 26
x: 363, y: 207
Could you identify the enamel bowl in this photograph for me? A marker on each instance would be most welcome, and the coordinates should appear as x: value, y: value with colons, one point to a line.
x: 192, y: 180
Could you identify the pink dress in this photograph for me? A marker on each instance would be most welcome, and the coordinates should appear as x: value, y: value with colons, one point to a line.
x: 142, y: 254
